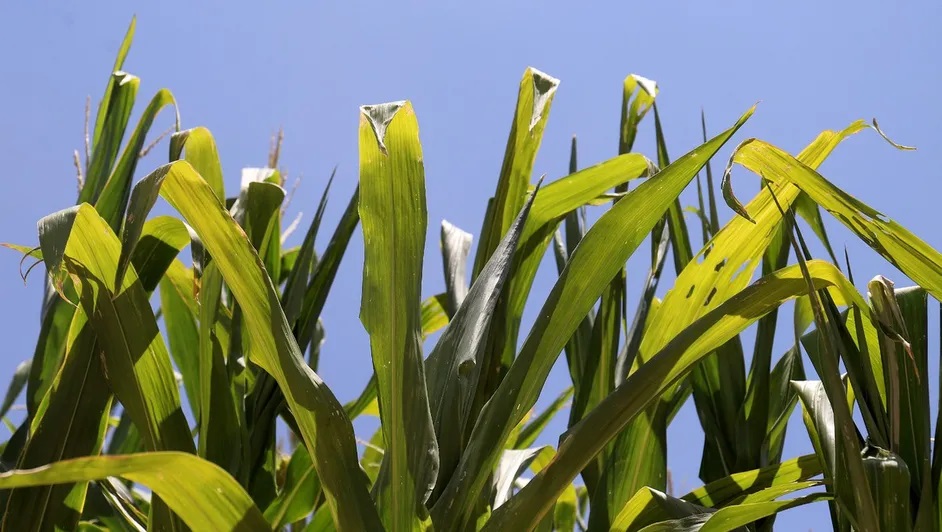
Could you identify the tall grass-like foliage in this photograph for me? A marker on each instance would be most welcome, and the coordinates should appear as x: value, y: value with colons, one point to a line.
x: 130, y: 426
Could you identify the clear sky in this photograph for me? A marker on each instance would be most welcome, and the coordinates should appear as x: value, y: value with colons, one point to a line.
x: 243, y: 71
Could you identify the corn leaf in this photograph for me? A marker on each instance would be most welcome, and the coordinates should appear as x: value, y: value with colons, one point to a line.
x: 323, y: 276
x: 298, y: 494
x: 914, y: 257
x: 180, y: 315
x: 603, y: 251
x: 456, y: 246
x: 731, y: 517
x: 112, y: 122
x: 456, y: 361
x: 105, y: 104
x: 17, y: 383
x: 534, y: 100
x: 532, y: 430
x: 198, y: 491
x: 331, y: 443
x: 394, y: 218
x: 113, y: 200
x: 296, y: 284
x: 582, y: 442
x: 198, y: 148
x: 736, y: 487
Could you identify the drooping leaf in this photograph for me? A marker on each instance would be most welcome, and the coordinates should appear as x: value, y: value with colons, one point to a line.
x: 327, y: 431
x: 196, y: 490
x: 915, y: 258
x: 736, y: 487
x: 732, y: 517
x: 198, y: 148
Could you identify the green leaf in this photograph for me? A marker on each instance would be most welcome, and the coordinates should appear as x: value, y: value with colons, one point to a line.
x: 603, y: 252
x: 17, y: 383
x: 575, y: 227
x: 914, y: 257
x: 904, y: 331
x: 136, y: 360
x: 394, y: 218
x: 134, y: 355
x: 373, y: 455
x: 582, y: 442
x: 293, y: 296
x: 732, y: 517
x: 105, y: 104
x: 649, y: 506
x: 849, y: 480
x: 298, y: 494
x: 782, y: 400
x: 361, y: 403
x: 161, y: 240
x: 534, y: 100
x: 638, y: 95
x: 636, y: 457
x: 201, y: 153
x: 819, y: 420
x: 180, y: 315
x: 557, y: 200
x: 456, y: 361
x: 737, y: 487
x: 680, y: 239
x: 323, y: 276
x: 56, y: 315
x: 113, y: 201
x: 434, y: 317
x: 220, y: 435
x: 78, y: 400
x: 890, y: 483
x: 112, y: 122
x: 714, y: 212
x: 532, y: 430
x: 203, y: 495
x: 327, y: 431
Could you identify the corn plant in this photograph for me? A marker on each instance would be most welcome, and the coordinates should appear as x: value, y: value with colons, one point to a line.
x: 130, y: 427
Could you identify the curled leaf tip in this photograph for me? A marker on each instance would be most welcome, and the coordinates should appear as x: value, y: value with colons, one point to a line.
x: 876, y: 127
x: 379, y: 117
x: 726, y: 184
x: 544, y: 88
x: 647, y: 85
x: 124, y: 77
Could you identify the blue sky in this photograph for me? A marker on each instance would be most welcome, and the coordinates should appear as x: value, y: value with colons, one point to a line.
x: 244, y: 71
